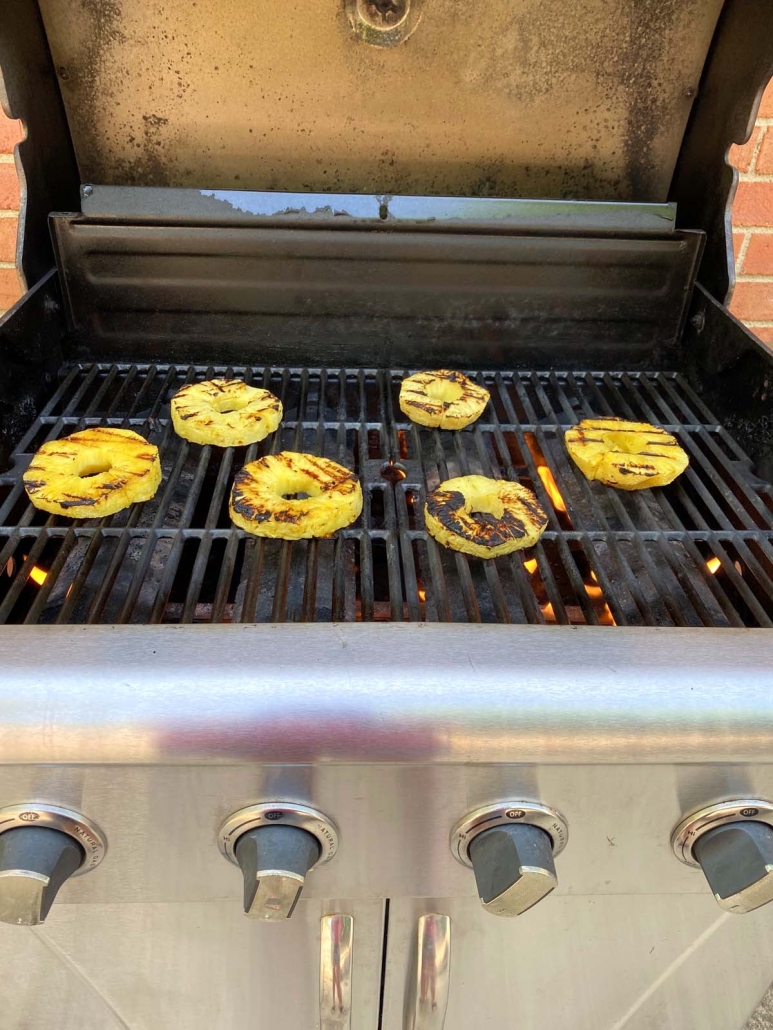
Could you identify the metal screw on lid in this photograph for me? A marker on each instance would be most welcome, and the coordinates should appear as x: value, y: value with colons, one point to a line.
x: 385, y: 13
x: 383, y: 23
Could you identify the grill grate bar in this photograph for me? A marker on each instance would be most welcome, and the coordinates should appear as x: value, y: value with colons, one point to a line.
x: 699, y: 552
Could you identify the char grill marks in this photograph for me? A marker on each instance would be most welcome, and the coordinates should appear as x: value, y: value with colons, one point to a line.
x: 698, y: 552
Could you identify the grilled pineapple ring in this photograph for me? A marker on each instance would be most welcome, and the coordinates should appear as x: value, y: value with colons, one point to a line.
x: 484, y: 517
x: 626, y: 455
x: 260, y: 504
x: 442, y: 399
x: 93, y: 473
x: 225, y: 413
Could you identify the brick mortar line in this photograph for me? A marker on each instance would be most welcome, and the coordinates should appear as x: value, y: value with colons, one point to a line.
x: 6, y: 159
x: 755, y: 176
x: 759, y: 325
x: 7, y: 264
x: 755, y: 277
x: 747, y: 236
x: 752, y: 169
x: 759, y: 230
x: 8, y: 213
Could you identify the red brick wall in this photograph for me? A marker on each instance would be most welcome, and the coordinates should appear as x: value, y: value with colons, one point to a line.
x: 10, y: 287
x: 753, y: 225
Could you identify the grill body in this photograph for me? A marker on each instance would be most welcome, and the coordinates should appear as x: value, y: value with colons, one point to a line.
x: 161, y: 670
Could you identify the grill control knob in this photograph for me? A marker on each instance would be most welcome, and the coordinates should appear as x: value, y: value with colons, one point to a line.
x: 737, y: 861
x: 41, y: 846
x: 34, y: 863
x: 513, y: 868
x: 276, y: 845
x: 732, y: 842
x: 275, y: 861
x: 511, y: 848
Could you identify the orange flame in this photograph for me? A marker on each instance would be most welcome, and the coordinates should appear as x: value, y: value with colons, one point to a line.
x: 38, y: 575
x: 552, y: 488
x: 531, y: 566
x: 713, y: 565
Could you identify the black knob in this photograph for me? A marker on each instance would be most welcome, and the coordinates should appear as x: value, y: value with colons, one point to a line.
x: 513, y: 868
x: 275, y: 861
x: 737, y: 860
x: 34, y: 863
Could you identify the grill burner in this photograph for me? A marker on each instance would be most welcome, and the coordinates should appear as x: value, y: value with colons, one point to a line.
x: 699, y: 552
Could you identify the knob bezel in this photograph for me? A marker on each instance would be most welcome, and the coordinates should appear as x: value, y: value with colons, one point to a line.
x: 84, y: 831
x: 691, y: 827
x: 279, y: 813
x: 509, y: 813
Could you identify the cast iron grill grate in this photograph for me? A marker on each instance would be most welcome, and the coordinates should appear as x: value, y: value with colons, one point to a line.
x: 697, y: 553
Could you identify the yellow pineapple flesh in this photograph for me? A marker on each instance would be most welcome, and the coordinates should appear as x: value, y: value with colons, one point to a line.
x: 442, y: 399
x: 484, y: 517
x: 625, y: 455
x: 264, y: 502
x: 93, y: 473
x: 225, y: 413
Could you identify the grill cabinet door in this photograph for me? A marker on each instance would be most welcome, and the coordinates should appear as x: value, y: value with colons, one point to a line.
x: 196, y: 965
x: 600, y: 962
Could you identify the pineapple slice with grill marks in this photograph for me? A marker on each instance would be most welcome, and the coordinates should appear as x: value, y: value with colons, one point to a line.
x: 93, y: 473
x: 484, y: 517
x: 625, y: 455
x: 442, y: 399
x: 225, y: 413
x: 263, y: 502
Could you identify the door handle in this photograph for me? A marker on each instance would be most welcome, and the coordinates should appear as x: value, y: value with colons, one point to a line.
x: 428, y: 994
x: 335, y: 972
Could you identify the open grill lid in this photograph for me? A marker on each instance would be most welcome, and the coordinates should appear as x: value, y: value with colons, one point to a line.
x: 538, y: 98
x: 634, y: 100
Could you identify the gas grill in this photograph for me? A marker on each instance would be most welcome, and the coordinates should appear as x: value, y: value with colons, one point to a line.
x: 392, y: 742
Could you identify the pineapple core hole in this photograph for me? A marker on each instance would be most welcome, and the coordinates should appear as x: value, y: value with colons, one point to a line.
x: 93, y: 465
x: 443, y: 390
x: 224, y: 405
x: 297, y: 488
x: 484, y: 502
x: 488, y: 506
x: 627, y: 443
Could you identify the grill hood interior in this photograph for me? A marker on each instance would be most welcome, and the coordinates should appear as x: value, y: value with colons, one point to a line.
x: 534, y: 98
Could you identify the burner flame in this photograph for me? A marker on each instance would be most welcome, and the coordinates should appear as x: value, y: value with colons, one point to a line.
x: 38, y: 575
x: 713, y: 565
x: 551, y: 487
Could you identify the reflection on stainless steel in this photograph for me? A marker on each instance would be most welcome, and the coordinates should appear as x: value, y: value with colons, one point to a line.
x: 335, y: 972
x: 311, y: 693
x: 426, y: 1004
